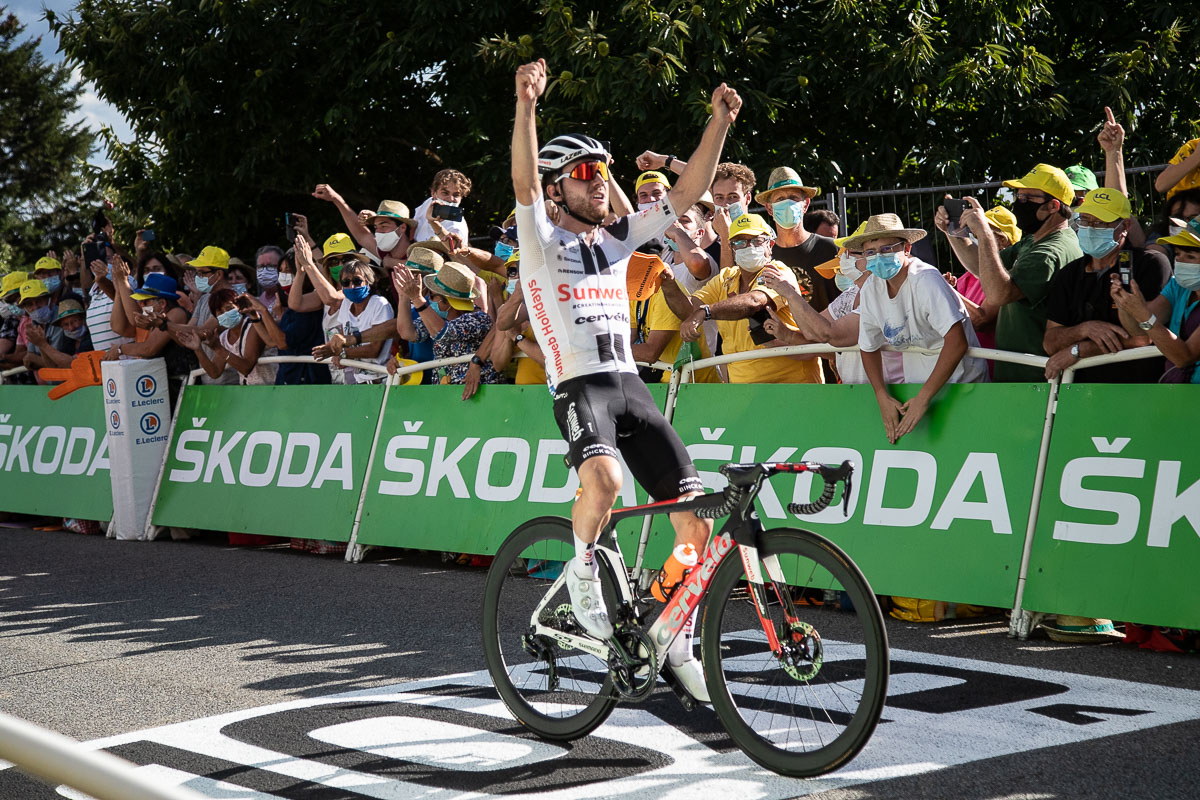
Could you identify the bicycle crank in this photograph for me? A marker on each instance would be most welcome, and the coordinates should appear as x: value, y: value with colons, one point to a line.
x: 633, y: 663
x: 801, y: 652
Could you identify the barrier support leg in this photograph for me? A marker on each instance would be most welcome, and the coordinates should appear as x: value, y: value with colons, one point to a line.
x: 150, y: 533
x: 1022, y: 622
x: 354, y: 551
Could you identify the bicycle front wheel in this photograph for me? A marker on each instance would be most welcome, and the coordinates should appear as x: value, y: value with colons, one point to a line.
x: 812, y: 707
x: 554, y: 690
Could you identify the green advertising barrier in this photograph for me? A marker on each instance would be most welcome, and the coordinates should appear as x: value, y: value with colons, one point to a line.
x: 54, y: 453
x: 275, y: 460
x: 939, y: 515
x: 460, y: 476
x: 1118, y: 526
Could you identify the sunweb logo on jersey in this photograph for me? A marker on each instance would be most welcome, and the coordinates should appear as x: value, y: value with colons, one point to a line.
x: 146, y: 385
x: 114, y: 419
x: 111, y: 386
x: 150, y: 423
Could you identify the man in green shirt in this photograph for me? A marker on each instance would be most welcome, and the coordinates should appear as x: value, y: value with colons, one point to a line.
x: 1017, y: 279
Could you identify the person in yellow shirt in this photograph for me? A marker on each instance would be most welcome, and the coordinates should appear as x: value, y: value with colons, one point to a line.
x: 737, y: 299
x: 656, y: 338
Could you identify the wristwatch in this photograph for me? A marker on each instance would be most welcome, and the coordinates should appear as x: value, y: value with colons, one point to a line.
x: 421, y: 307
x: 1148, y: 324
x: 707, y: 312
x: 667, y: 163
x: 1075, y: 351
x: 358, y: 337
x: 477, y: 361
x: 520, y: 337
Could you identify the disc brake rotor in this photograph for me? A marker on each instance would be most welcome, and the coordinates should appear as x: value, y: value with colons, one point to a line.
x: 801, y: 652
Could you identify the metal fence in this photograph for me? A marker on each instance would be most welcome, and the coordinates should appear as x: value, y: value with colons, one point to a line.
x: 916, y: 207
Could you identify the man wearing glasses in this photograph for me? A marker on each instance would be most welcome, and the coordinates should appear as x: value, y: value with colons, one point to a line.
x: 573, y: 281
x: 740, y: 299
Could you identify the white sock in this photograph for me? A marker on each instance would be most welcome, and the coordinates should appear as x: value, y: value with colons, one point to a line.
x: 681, y: 649
x: 585, y: 558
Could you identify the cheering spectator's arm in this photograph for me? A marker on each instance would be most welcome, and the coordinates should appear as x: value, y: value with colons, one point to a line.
x: 1174, y: 173
x: 964, y: 250
x: 1112, y: 141
x: 693, y: 256
x: 814, y: 327
x: 652, y: 160
x: 954, y: 347
x: 681, y: 304
x: 478, y: 259
x: 1133, y: 308
x: 702, y: 166
x: 246, y: 363
x: 354, y: 223
x: 51, y: 356
x: 998, y: 284
x: 213, y: 367
x: 264, y: 323
x: 304, y: 260
x: 301, y: 301
x: 408, y: 288
x: 124, y: 308
x: 506, y: 346
x: 512, y: 312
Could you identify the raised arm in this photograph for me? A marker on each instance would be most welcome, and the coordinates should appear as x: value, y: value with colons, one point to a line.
x: 531, y: 82
x: 702, y: 166
x: 358, y: 229
x: 1174, y: 173
x: 998, y: 284
x: 304, y: 260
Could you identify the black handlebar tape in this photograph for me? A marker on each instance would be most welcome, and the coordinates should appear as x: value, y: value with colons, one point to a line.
x: 812, y: 508
x: 732, y: 496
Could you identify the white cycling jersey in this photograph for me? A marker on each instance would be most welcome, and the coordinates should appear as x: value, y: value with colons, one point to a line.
x: 575, y: 291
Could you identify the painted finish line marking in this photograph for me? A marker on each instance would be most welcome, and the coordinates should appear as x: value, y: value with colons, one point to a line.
x: 449, y: 737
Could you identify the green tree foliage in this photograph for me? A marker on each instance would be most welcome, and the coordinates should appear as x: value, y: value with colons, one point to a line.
x: 40, y: 152
x: 242, y: 107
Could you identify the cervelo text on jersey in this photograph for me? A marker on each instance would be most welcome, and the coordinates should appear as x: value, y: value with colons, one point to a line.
x: 576, y: 292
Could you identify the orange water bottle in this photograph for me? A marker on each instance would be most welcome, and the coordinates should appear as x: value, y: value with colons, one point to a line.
x: 682, y: 559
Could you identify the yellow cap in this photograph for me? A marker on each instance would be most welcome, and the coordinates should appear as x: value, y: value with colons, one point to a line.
x: 1045, y: 178
x: 46, y: 262
x: 12, y: 283
x: 1106, y: 205
x: 211, y: 257
x: 31, y: 289
x: 1188, y: 237
x: 412, y: 378
x: 514, y: 258
x: 651, y: 177
x: 841, y: 241
x: 340, y: 244
x: 749, y: 225
x: 1003, y: 220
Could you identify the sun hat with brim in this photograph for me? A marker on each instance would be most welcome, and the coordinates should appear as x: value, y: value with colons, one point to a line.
x: 1082, y: 630
x: 750, y: 225
x: 234, y: 261
x: 1185, y: 238
x: 180, y: 260
x: 651, y: 177
x: 212, y: 258
x: 68, y: 307
x: 1106, y: 205
x: 829, y: 268
x: 784, y: 178
x: 32, y: 289
x: 884, y: 226
x: 12, y: 283
x: 395, y: 211
x: 706, y: 202
x: 1081, y: 178
x: 46, y: 262
x: 1003, y: 220
x: 1047, y: 179
x: 424, y: 260
x: 456, y: 282
x: 157, y: 286
x: 437, y: 245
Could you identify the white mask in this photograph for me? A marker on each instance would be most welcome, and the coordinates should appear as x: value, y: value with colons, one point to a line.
x: 386, y: 241
x: 286, y: 278
x: 751, y: 258
x: 848, y: 266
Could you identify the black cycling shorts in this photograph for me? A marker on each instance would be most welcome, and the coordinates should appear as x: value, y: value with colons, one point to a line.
x: 607, y: 412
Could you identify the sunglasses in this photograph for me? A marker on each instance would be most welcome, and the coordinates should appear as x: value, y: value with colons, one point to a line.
x: 587, y: 171
x: 348, y: 282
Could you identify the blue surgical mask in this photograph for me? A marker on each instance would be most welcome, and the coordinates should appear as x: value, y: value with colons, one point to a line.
x: 440, y: 312
x: 1187, y: 275
x: 511, y: 285
x: 1096, y: 242
x: 239, y: 288
x: 15, y: 310
x: 671, y: 244
x: 356, y: 294
x: 843, y: 282
x: 52, y: 283
x: 203, y: 284
x: 43, y: 315
x: 502, y: 250
x: 230, y: 318
x: 736, y: 209
x: 884, y: 265
x: 76, y: 334
x: 787, y: 213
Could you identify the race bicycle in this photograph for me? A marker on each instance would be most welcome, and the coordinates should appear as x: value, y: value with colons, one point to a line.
x: 792, y: 640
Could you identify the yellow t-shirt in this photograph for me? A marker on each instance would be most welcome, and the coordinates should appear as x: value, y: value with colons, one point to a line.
x: 1192, y: 179
x: 735, y: 333
x: 529, y: 372
x: 660, y: 317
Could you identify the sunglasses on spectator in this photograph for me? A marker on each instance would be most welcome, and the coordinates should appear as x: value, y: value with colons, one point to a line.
x: 587, y: 170
x: 348, y: 282
x: 742, y: 244
x: 204, y: 273
x: 885, y: 250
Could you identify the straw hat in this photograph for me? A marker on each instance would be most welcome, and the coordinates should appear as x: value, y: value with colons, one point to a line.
x: 456, y: 282
x: 784, y: 178
x: 1082, y: 630
x: 395, y: 211
x: 422, y: 259
x: 433, y: 244
x: 883, y: 226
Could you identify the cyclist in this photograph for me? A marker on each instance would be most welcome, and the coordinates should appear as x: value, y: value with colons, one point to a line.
x: 573, y: 279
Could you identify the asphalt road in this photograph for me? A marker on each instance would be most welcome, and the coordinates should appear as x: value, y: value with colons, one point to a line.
x: 204, y: 663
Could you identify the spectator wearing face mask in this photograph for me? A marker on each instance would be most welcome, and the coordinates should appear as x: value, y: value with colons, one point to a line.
x: 68, y: 319
x: 241, y: 277
x: 242, y: 319
x: 1017, y: 279
x: 739, y: 300
x: 153, y: 317
x: 211, y: 266
x: 266, y: 275
x: 1082, y: 181
x: 909, y: 306
x: 11, y: 316
x: 359, y: 309
x: 1081, y: 319
x: 516, y: 336
x: 1171, y: 320
x: 300, y: 324
x: 786, y: 199
x: 393, y: 226
x: 1183, y: 205
x: 449, y: 188
x: 452, y: 320
x: 49, y: 271
x: 823, y: 222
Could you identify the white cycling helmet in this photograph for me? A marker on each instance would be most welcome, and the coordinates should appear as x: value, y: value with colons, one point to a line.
x: 562, y: 150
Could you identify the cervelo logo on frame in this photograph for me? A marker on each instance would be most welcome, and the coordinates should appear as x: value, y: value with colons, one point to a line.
x: 150, y: 423
x: 111, y: 386
x: 146, y: 385
x: 52, y: 449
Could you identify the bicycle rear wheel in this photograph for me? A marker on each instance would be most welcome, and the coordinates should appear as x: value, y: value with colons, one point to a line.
x: 554, y: 690
x: 812, y: 709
